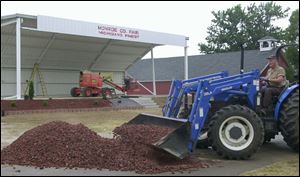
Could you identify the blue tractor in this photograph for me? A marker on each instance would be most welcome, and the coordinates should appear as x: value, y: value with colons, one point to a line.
x: 226, y: 110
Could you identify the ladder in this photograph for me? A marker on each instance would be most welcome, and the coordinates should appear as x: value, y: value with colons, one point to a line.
x: 36, y: 69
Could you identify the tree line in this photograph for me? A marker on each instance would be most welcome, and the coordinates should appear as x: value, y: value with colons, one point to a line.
x: 237, y: 25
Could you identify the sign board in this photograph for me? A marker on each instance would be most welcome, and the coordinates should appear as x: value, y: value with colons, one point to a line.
x: 74, y: 27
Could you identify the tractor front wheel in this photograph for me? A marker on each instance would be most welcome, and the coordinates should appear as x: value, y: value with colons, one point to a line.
x: 289, y: 121
x: 235, y: 132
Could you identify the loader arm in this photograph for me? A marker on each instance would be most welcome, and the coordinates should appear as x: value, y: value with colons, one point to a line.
x: 179, y: 88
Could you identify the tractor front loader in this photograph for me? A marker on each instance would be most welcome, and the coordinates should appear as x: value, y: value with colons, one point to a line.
x: 227, y: 110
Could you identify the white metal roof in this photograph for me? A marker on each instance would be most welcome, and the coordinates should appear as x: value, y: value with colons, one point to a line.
x: 58, y: 43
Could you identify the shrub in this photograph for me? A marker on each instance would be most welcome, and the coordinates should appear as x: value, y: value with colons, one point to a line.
x: 31, y: 90
x: 26, y: 97
x: 96, y: 103
x: 45, y: 103
x: 104, y: 96
x: 13, y: 104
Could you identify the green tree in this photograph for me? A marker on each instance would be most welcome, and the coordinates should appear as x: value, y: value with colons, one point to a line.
x: 292, y: 31
x: 292, y: 54
x: 237, y: 25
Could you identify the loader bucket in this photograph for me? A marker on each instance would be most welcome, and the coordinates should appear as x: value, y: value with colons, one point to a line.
x: 176, y: 142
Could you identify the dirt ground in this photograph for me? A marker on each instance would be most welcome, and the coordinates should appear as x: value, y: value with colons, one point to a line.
x: 104, y: 122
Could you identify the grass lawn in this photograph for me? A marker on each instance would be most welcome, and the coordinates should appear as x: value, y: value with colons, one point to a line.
x: 282, y: 168
x: 161, y: 101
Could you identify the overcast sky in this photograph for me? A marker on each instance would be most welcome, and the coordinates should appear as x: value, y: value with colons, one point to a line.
x: 190, y: 19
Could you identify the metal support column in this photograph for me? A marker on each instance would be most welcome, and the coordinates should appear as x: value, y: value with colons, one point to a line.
x: 153, y: 73
x: 186, y: 65
x: 18, y: 59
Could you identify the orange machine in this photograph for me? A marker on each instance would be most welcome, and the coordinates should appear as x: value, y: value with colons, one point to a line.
x: 90, y: 84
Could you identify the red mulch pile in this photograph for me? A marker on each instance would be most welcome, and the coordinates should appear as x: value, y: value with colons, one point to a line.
x: 53, y: 104
x: 59, y: 144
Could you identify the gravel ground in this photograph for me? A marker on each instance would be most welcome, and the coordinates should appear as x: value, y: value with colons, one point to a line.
x: 59, y: 144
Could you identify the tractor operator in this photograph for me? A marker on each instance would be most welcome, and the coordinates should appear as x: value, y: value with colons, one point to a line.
x: 272, y: 84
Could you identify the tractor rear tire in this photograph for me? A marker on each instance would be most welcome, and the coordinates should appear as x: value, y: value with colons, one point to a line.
x: 73, y: 92
x: 289, y: 121
x: 235, y: 132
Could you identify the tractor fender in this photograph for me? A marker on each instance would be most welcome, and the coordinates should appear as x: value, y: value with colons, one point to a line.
x: 287, y: 92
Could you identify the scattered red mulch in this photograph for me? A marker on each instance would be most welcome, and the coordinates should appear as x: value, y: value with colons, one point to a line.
x: 59, y: 144
x: 53, y: 104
